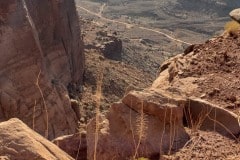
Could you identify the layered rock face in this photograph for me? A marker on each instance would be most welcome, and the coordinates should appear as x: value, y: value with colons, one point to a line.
x: 20, y: 142
x: 40, y: 44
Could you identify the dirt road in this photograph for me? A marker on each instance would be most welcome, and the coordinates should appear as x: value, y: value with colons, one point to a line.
x: 128, y: 25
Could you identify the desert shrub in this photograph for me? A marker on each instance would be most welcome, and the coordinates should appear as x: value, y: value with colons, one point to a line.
x: 142, y: 158
x: 231, y: 26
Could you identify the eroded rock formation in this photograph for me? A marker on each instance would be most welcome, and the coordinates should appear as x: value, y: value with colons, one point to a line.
x: 112, y: 49
x: 40, y: 42
x: 75, y: 145
x: 20, y: 142
x: 144, y: 124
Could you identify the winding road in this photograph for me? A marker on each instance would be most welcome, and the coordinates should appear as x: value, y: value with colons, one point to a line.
x: 128, y: 25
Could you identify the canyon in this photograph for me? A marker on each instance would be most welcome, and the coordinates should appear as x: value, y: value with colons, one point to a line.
x: 80, y: 81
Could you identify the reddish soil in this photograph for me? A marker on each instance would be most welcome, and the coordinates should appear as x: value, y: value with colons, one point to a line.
x: 207, y: 146
x: 118, y: 76
x: 218, y: 63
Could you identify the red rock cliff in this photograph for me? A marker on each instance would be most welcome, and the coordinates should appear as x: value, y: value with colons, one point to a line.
x: 39, y: 37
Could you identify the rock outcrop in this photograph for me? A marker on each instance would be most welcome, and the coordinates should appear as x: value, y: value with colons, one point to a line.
x: 235, y: 15
x: 40, y: 44
x: 112, y: 49
x: 20, y: 142
x: 143, y: 124
x: 75, y: 145
x: 108, y: 44
x: 200, y: 114
x: 151, y: 123
x: 207, y: 76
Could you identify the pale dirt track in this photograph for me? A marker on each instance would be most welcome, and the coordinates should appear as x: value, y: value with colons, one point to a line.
x: 128, y: 25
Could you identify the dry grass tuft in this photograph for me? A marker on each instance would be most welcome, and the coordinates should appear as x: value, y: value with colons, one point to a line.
x: 141, y: 125
x: 163, y: 132
x: 34, y: 110
x: 231, y: 27
x: 44, y: 104
x: 98, y: 103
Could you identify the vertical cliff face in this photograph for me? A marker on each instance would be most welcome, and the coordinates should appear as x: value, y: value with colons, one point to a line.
x: 39, y: 42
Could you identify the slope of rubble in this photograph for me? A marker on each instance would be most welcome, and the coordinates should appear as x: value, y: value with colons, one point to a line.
x: 198, y: 90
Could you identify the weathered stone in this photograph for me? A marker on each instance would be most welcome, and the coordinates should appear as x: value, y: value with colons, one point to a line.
x: 112, y: 49
x: 39, y: 41
x: 144, y: 119
x: 17, y: 141
x: 203, y: 115
x: 156, y: 104
x: 189, y: 49
x: 75, y: 145
x: 235, y: 15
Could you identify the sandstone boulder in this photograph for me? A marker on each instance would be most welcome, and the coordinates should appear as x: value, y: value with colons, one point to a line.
x: 203, y: 115
x: 155, y: 103
x: 40, y: 42
x: 235, y: 15
x: 17, y: 141
x: 144, y: 124
x: 75, y: 145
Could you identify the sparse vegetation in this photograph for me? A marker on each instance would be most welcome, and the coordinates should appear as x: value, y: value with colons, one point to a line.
x: 98, y: 103
x: 231, y: 27
x: 141, y: 125
x: 142, y: 158
x: 44, y: 105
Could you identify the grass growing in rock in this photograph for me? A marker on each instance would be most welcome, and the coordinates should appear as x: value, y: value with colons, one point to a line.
x: 44, y: 105
x: 98, y: 103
